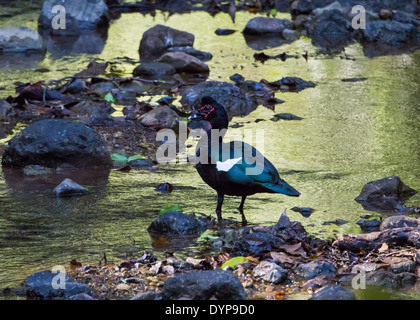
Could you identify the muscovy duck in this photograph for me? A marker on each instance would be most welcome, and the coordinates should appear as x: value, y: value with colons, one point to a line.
x: 235, y: 168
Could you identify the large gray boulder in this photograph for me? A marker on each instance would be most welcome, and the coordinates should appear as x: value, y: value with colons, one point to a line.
x: 54, y: 142
x: 80, y: 14
x: 204, y: 285
x: 156, y: 40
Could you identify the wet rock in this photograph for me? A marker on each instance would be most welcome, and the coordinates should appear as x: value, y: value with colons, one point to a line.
x: 76, y: 86
x: 390, y: 187
x: 382, y: 278
x: 224, y: 32
x: 53, y: 142
x: 183, y: 62
x: 160, y: 117
x: 80, y: 14
x: 227, y: 94
x: 385, y: 14
x: 5, y: 110
x: 316, y: 268
x: 333, y: 6
x: 270, y: 272
x: 202, y: 55
x: 399, y: 222
x: 69, y: 188
x: 330, y: 29
x: 39, y: 285
x: 20, y: 39
x: 369, y: 225
x: 156, y: 40
x: 155, y: 70
x: 266, y: 26
x: 390, y: 33
x: 293, y: 84
x: 176, y: 223
x: 334, y: 292
x: 204, y: 285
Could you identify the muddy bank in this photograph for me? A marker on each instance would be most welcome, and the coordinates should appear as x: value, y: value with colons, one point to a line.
x: 272, y: 263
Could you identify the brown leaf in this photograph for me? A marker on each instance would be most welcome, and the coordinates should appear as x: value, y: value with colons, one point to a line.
x: 383, y: 248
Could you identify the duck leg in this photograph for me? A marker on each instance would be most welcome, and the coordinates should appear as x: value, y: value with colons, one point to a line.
x: 241, y: 210
x: 220, y: 197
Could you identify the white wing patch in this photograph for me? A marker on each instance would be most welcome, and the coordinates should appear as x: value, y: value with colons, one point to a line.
x: 227, y: 165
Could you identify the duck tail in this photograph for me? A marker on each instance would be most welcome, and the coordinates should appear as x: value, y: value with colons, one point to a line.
x: 282, y: 187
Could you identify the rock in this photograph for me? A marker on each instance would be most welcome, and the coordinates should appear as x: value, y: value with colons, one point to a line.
x: 202, y: 55
x: 148, y: 295
x: 77, y: 86
x: 290, y: 35
x: 390, y: 187
x: 81, y: 296
x: 390, y: 33
x: 227, y: 94
x: 399, y: 222
x: 316, y: 268
x: 266, y: 26
x: 40, y: 283
x: 334, y: 292
x: 5, y: 110
x: 53, y: 142
x: 156, y: 40
x: 176, y: 223
x: 385, y: 14
x: 404, y: 266
x: 20, y: 39
x: 80, y: 14
x: 330, y: 29
x: 382, y: 278
x: 333, y: 6
x: 369, y: 225
x: 204, y: 285
x: 293, y: 84
x: 270, y: 272
x: 183, y: 62
x: 155, y: 70
x: 102, y: 88
x: 69, y: 188
x: 224, y: 32
x: 160, y: 117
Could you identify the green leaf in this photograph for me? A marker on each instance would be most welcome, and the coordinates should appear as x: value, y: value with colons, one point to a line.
x: 109, y: 97
x: 118, y: 157
x: 233, y: 262
x: 172, y: 207
x: 273, y: 12
x: 136, y: 157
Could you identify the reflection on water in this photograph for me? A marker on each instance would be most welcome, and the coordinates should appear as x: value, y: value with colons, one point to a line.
x: 351, y: 133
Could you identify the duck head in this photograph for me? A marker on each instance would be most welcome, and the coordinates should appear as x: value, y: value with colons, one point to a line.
x: 210, y: 115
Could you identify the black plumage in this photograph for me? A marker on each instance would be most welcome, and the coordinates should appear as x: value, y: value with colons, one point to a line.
x: 235, y: 168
